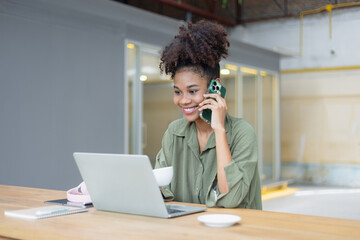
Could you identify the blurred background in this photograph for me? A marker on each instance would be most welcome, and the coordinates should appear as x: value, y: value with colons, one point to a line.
x: 83, y: 75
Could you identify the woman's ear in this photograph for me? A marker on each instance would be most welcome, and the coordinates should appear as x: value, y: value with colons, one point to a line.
x: 218, y: 79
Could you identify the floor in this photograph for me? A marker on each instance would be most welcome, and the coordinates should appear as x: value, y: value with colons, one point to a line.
x: 318, y: 201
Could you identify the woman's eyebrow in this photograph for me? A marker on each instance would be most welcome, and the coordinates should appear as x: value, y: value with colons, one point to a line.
x: 192, y: 85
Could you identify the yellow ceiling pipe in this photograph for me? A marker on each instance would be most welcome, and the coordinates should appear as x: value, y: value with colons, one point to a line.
x: 328, y: 8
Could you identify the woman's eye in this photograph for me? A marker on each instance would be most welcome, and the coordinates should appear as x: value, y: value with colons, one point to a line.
x: 193, y: 91
x: 177, y: 92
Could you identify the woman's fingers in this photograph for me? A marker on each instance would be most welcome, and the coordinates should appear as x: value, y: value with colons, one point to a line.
x: 212, y: 101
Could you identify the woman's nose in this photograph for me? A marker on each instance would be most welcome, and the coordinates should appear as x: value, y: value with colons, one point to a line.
x: 185, y: 99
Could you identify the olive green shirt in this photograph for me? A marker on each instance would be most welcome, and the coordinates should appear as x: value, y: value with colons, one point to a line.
x: 195, y: 180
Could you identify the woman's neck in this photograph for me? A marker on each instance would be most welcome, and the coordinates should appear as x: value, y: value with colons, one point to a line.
x: 203, y: 132
x: 203, y: 127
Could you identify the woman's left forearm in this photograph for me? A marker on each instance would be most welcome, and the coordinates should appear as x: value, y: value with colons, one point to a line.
x: 223, y: 159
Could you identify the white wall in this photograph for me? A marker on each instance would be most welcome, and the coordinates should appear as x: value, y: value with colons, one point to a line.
x: 319, y: 108
x: 317, y: 46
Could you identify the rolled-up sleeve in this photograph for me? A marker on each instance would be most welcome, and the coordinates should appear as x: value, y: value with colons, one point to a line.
x: 241, y: 174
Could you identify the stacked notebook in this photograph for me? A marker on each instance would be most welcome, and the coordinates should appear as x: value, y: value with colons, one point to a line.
x: 44, y: 212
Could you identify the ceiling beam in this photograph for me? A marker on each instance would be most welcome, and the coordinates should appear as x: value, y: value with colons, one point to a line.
x: 198, y: 12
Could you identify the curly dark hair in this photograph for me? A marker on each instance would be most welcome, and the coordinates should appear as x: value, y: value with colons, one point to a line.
x: 198, y: 47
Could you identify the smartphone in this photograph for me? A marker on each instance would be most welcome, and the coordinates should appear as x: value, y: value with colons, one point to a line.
x: 65, y: 202
x: 214, y: 87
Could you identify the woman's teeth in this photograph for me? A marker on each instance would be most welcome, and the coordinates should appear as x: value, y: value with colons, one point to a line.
x: 190, y: 110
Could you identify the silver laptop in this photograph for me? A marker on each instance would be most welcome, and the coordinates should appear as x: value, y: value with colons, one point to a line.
x: 125, y: 183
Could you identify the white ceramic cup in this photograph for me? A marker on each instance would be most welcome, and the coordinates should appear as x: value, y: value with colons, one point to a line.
x: 163, y: 176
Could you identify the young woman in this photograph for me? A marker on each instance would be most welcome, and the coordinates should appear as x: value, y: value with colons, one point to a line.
x: 214, y: 164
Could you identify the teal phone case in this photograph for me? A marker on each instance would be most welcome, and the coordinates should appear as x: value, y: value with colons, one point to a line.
x: 214, y: 87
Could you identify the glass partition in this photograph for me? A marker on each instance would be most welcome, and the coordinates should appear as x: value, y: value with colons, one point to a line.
x: 268, y: 125
x: 151, y: 108
x: 159, y: 109
x: 229, y: 77
x: 250, y: 96
x: 132, y: 50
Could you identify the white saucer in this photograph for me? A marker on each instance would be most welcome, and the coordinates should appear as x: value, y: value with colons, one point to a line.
x: 219, y: 220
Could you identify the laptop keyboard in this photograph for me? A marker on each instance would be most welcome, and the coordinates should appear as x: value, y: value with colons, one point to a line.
x: 172, y: 210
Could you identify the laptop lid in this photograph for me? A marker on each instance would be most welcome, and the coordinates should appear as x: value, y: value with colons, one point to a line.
x: 125, y: 183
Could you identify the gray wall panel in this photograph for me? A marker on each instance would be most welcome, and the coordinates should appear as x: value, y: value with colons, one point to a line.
x: 61, y: 91
x: 254, y: 56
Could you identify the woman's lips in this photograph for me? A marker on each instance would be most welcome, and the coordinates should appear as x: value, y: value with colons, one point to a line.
x: 189, y: 110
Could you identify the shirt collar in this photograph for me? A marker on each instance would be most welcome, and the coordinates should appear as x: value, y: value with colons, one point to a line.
x: 188, y: 130
x: 182, y: 128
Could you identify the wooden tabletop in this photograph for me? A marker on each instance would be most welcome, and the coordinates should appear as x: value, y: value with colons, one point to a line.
x: 255, y: 224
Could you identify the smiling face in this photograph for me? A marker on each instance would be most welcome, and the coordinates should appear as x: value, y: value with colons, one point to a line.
x: 189, y: 90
